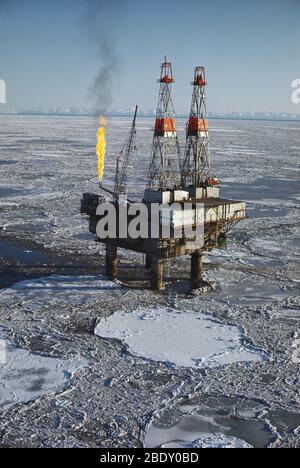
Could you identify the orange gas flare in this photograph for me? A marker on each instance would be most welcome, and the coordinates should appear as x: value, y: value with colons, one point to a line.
x: 101, y: 147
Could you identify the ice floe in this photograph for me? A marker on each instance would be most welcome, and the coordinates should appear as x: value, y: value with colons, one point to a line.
x: 208, y: 425
x: 181, y: 338
x: 25, y: 376
x: 213, y: 441
x: 58, y: 290
x: 193, y: 431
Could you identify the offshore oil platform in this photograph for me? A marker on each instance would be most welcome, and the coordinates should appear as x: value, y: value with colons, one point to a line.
x: 184, y: 188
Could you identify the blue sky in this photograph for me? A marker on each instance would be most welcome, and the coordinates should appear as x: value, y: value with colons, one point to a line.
x: 50, y: 52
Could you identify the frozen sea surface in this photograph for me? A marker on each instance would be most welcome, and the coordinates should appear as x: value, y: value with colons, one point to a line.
x: 209, y: 428
x: 190, y: 433
x: 25, y: 376
x: 210, y: 442
x: 46, y: 163
x: 55, y: 291
x: 181, y: 338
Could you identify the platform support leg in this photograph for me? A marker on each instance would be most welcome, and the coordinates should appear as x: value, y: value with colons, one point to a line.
x: 157, y: 274
x: 148, y: 262
x: 196, y: 269
x: 111, y: 261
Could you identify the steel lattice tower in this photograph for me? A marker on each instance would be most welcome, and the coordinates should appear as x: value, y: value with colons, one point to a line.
x: 196, y: 169
x: 164, y: 172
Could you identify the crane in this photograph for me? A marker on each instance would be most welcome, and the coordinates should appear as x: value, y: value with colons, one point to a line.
x: 124, y: 159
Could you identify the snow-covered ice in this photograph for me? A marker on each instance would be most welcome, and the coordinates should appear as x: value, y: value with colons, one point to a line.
x: 58, y: 290
x: 25, y: 376
x: 182, y: 338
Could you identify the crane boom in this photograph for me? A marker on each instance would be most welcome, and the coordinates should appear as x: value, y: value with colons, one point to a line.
x: 124, y: 159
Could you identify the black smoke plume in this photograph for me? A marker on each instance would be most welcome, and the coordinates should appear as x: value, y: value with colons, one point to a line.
x: 103, y: 21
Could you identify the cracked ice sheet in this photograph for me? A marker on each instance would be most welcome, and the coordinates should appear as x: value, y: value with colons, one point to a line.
x: 181, y: 338
x: 59, y: 290
x: 25, y: 376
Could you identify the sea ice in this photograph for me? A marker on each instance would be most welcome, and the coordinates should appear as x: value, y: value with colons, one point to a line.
x: 286, y: 314
x: 215, y: 441
x: 25, y: 376
x: 182, y: 338
x: 58, y: 290
x: 193, y: 431
x: 220, y: 427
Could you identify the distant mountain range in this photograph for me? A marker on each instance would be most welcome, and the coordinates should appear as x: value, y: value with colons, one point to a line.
x: 151, y: 113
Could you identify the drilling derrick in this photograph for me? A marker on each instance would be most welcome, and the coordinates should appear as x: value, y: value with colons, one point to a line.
x: 123, y: 160
x: 196, y: 171
x: 164, y: 170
